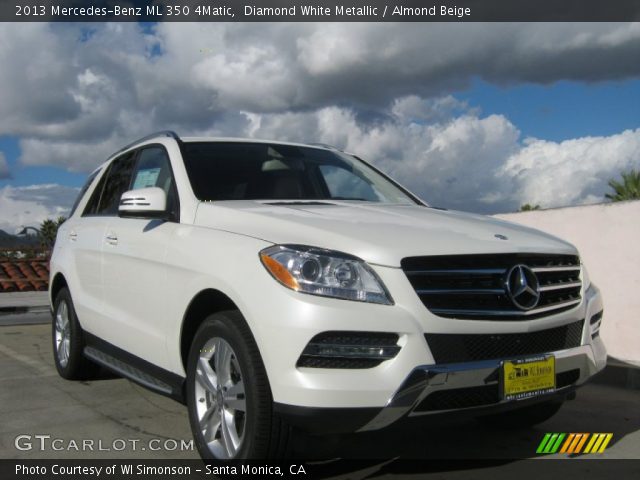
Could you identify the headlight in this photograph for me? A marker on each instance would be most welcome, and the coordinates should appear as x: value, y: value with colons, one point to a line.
x: 324, y: 272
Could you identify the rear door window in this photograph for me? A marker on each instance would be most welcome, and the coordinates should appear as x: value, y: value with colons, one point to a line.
x: 115, y: 182
x: 83, y: 191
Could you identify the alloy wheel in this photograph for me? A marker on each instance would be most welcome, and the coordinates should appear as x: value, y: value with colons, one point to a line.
x: 221, y: 404
x: 63, y: 333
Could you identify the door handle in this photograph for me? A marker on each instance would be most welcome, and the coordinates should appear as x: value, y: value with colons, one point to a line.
x: 73, y: 236
x: 112, y: 239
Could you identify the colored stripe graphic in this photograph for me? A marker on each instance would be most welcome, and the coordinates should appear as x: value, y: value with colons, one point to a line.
x: 593, y: 439
x: 544, y: 441
x: 567, y: 444
x: 573, y: 443
x: 598, y: 443
x: 556, y: 445
x: 582, y: 442
x: 550, y: 443
x: 606, y: 441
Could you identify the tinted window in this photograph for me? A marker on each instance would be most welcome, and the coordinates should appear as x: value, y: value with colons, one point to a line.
x: 83, y: 190
x: 116, y: 183
x: 261, y: 171
x: 92, y: 204
x: 153, y: 169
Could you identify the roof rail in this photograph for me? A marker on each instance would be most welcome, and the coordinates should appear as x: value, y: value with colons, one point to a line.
x: 163, y: 133
x: 324, y: 145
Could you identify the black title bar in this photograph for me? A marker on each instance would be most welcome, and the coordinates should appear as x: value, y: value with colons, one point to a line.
x: 319, y: 10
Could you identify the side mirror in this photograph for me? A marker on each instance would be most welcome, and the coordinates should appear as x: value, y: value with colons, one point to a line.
x: 143, y: 203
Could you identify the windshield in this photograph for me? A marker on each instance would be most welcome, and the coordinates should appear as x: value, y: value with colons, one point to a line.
x: 262, y: 171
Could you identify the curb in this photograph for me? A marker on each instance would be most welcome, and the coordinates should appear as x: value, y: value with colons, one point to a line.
x: 24, y: 309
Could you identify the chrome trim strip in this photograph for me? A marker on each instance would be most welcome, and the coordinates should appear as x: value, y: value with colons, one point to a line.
x: 497, y: 313
x: 556, y: 269
x: 465, y: 271
x: 426, y: 379
x: 559, y: 286
x: 374, y: 352
x: 462, y: 291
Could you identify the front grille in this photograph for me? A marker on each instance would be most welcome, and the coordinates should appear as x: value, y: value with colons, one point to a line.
x: 454, y: 348
x: 479, y: 396
x: 474, y: 286
x: 349, y: 349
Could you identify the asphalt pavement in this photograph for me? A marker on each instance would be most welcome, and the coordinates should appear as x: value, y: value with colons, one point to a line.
x: 44, y: 416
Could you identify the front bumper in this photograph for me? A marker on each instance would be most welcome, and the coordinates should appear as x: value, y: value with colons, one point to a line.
x: 430, y: 388
x: 455, y: 388
x: 480, y: 380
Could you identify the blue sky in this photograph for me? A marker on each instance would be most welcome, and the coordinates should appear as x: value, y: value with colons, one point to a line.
x: 557, y: 112
x: 563, y: 110
x: 476, y: 117
x: 22, y: 175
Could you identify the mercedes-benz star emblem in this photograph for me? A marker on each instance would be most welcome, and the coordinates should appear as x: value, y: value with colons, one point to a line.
x: 522, y: 287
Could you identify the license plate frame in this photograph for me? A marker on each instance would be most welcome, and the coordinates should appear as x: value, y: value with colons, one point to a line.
x: 528, y: 377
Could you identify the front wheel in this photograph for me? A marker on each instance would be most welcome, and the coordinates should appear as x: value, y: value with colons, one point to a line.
x: 68, y: 341
x: 228, y: 395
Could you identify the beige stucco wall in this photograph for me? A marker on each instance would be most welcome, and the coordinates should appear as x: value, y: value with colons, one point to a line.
x: 608, y: 237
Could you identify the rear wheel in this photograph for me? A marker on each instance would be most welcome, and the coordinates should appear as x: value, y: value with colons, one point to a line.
x: 228, y: 395
x: 68, y: 341
x: 523, y: 417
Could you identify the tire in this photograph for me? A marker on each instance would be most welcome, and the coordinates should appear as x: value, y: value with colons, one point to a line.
x: 224, y: 349
x: 68, y: 341
x: 522, y: 417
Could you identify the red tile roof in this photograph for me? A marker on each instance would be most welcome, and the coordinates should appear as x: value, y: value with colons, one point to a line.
x: 24, y: 275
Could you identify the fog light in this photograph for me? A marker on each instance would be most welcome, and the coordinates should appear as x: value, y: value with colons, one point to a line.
x: 349, y: 350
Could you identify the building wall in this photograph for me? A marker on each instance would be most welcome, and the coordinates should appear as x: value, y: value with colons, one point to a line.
x: 608, y: 237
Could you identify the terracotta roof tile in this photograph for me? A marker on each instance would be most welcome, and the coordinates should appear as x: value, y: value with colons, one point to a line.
x: 24, y: 275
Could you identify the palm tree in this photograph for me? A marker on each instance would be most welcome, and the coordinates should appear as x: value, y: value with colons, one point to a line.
x: 627, y: 189
x: 527, y: 207
x: 49, y: 230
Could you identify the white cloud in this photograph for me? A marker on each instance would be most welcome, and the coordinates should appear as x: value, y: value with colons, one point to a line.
x: 465, y: 161
x: 4, y: 167
x: 30, y: 205
x: 460, y: 160
x: 98, y: 84
x: 449, y: 163
x: 74, y: 93
x: 574, y: 171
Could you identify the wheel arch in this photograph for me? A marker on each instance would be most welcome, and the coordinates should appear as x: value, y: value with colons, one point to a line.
x: 58, y: 283
x: 203, y: 304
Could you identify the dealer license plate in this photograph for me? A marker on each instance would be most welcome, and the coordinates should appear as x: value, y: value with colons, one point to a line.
x: 529, y: 377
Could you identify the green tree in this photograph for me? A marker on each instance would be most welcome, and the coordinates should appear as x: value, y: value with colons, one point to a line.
x: 527, y: 207
x: 627, y: 189
x: 49, y: 230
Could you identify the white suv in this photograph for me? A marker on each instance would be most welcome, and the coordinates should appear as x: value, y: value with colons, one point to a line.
x: 278, y: 288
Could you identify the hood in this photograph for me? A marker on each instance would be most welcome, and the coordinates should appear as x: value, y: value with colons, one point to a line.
x: 381, y: 234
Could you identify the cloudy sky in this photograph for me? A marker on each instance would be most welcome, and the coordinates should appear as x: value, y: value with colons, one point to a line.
x: 478, y: 117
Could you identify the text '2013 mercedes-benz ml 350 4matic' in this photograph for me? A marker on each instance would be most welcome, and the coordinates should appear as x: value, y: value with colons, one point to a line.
x: 280, y: 288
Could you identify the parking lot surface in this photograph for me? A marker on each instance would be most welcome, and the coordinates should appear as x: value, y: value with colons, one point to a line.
x: 115, y: 418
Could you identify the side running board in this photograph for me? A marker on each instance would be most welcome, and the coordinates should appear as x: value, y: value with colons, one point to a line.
x: 132, y: 373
